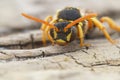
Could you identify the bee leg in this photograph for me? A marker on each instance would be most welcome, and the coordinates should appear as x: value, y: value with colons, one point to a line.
x: 44, y: 38
x: 47, y: 34
x: 48, y: 19
x: 81, y: 36
x: 102, y: 28
x: 43, y: 27
x: 90, y: 24
x: 47, y: 29
x: 111, y: 23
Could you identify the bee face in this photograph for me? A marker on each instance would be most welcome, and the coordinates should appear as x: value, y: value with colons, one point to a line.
x: 61, y: 37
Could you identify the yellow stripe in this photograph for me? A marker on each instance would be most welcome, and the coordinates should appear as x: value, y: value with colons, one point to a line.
x: 69, y: 36
x: 60, y: 40
x: 55, y: 34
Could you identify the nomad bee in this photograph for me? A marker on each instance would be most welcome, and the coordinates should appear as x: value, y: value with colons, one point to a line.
x: 71, y: 23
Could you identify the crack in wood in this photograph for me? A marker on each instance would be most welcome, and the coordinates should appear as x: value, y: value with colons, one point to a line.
x: 32, y: 41
x: 3, y: 53
x: 18, y: 58
x: 84, y: 51
x: 20, y: 45
x: 57, y: 53
x: 23, y: 56
x: 117, y: 46
x: 94, y: 55
x: 61, y: 67
x: 22, y: 41
x: 106, y: 62
x: 75, y: 60
x: 91, y: 65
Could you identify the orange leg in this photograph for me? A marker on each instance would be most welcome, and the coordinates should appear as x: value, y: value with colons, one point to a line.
x: 43, y: 27
x: 102, y: 28
x: 111, y: 23
x: 90, y: 24
x: 81, y: 36
x: 47, y: 35
x: 48, y: 19
x: 46, y: 32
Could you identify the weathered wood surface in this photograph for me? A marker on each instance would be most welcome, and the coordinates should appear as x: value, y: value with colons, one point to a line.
x: 23, y: 57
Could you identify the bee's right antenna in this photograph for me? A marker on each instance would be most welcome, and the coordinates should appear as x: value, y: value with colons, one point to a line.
x: 39, y: 20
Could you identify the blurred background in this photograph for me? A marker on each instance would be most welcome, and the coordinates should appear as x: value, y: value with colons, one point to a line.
x: 12, y: 21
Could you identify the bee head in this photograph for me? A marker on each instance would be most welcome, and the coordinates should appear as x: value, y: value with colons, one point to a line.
x: 62, y: 37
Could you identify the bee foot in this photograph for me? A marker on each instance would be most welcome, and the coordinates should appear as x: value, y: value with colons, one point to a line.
x: 85, y: 45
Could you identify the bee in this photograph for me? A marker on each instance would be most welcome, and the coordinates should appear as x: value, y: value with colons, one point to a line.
x: 71, y: 23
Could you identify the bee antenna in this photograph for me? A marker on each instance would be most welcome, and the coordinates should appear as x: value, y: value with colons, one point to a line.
x: 80, y: 19
x: 39, y: 20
